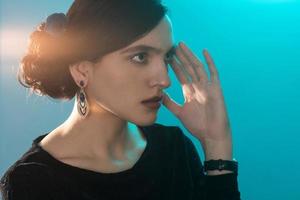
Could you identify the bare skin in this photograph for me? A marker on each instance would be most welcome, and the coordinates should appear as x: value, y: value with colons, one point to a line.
x: 115, y: 87
x: 102, y: 141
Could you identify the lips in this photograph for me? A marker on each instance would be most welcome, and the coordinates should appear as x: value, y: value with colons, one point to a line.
x: 152, y: 103
x: 153, y: 99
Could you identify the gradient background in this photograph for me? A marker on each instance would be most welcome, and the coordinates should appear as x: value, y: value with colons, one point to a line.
x: 256, y: 48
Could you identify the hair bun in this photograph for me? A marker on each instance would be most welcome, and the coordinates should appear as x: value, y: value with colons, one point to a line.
x: 56, y: 24
x: 44, y: 68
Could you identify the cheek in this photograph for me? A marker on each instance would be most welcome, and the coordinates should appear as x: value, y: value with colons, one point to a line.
x: 121, y: 89
x: 116, y: 89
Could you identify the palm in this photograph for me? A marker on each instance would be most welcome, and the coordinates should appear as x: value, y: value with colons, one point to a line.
x: 203, y: 112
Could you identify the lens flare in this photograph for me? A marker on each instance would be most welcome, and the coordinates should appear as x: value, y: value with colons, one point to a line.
x: 13, y: 43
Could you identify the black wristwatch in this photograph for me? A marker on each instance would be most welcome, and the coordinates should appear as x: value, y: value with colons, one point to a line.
x: 231, y: 165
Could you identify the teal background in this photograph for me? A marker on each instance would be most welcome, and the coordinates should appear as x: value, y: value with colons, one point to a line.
x: 256, y: 48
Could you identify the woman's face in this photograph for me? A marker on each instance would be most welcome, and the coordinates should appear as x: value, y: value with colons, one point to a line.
x: 122, y: 79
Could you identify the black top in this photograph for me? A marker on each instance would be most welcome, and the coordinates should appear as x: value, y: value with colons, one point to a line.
x: 169, y: 168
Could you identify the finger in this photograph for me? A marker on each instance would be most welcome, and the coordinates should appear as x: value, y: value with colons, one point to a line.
x: 186, y: 63
x: 214, y: 77
x: 173, y: 106
x: 199, y: 67
x: 178, y: 71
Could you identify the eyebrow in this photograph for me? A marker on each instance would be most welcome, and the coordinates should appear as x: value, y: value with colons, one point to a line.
x: 143, y: 47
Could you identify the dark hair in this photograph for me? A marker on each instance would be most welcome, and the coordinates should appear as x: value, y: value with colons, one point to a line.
x: 94, y: 28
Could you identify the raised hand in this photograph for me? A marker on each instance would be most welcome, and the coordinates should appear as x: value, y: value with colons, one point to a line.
x: 203, y: 113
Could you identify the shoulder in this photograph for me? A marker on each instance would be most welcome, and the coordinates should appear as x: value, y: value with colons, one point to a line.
x: 26, y: 176
x: 25, y: 171
x: 25, y: 179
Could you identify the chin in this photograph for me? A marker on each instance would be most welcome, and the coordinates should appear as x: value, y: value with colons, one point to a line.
x: 146, y: 120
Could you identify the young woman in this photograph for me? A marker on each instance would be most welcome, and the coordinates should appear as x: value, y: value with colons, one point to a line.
x: 113, y: 57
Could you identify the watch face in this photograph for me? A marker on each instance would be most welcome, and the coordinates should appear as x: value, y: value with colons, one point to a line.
x: 221, y: 166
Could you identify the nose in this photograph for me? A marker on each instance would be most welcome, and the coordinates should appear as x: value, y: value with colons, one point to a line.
x: 161, y: 76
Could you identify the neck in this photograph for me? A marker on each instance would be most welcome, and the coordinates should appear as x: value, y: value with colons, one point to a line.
x: 100, y: 134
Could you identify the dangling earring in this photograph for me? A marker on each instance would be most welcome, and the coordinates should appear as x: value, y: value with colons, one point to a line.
x: 82, y: 104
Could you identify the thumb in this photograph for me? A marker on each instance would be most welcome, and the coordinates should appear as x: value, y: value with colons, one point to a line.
x: 169, y: 103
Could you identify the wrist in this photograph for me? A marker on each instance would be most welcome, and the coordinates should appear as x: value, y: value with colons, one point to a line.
x: 217, y: 172
x: 218, y: 149
x: 214, y: 167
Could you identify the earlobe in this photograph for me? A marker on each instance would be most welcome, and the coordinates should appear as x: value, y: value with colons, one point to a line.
x: 80, y: 71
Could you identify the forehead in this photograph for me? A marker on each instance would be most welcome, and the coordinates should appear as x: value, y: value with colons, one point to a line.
x: 160, y: 37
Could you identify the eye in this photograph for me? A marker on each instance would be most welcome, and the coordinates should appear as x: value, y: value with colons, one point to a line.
x: 140, y: 58
x: 169, y: 57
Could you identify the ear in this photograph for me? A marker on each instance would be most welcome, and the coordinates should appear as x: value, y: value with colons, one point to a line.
x: 81, y: 71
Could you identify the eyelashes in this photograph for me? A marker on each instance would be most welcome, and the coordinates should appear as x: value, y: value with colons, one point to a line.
x: 136, y: 58
x: 142, y: 57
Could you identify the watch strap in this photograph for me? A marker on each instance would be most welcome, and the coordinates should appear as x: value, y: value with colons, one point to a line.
x: 231, y: 165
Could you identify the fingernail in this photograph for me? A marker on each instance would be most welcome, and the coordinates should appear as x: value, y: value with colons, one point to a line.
x: 181, y: 44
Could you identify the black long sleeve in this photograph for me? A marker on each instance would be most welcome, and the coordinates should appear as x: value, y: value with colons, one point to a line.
x: 210, y: 187
x: 169, y: 168
x: 27, y: 182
